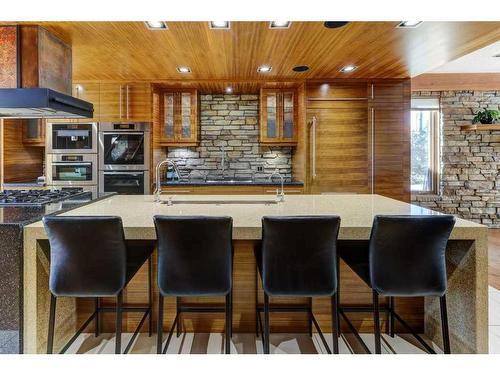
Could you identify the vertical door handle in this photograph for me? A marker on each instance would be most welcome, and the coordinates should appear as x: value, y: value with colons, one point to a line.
x: 313, y: 148
x: 372, y: 131
x: 120, y: 102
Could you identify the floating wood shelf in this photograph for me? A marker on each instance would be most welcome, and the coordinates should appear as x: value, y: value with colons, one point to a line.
x: 481, y: 127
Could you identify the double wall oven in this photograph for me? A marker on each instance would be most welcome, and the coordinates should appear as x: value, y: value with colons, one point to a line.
x: 124, y: 157
x: 71, y: 156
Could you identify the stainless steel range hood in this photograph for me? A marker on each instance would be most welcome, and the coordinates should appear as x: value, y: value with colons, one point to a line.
x: 35, y: 77
x: 42, y: 103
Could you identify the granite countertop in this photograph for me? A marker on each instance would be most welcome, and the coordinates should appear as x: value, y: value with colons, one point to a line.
x: 235, y: 182
x: 23, y: 215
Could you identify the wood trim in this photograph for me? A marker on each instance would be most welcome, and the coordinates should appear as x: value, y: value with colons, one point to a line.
x: 456, y: 82
x: 480, y: 127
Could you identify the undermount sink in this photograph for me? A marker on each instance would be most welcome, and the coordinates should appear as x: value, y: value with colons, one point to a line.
x: 171, y: 202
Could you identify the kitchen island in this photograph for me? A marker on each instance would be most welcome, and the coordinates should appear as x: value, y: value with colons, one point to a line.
x: 466, y: 264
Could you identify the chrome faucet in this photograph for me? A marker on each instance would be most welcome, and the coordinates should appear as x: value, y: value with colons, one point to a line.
x: 157, y: 191
x: 280, y: 195
x: 223, y: 161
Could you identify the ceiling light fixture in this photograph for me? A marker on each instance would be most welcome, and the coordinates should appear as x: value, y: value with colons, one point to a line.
x: 156, y: 25
x: 409, y: 24
x: 279, y: 24
x: 335, y: 24
x: 229, y: 89
x: 264, y: 68
x: 219, y: 25
x: 184, y: 69
x: 348, y: 68
x: 300, y: 68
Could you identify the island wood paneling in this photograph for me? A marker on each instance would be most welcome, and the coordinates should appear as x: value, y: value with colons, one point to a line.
x: 353, y: 292
x: 21, y: 163
x: 129, y: 51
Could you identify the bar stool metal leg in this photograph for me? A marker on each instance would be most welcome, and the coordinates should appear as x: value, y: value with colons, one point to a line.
x: 118, y: 342
x: 52, y: 320
x: 444, y: 325
x: 150, y: 295
x: 335, y: 324
x: 228, y: 324
x: 310, y: 317
x: 178, y: 311
x: 96, y: 303
x: 391, y: 316
x: 266, y: 324
x: 159, y: 339
x: 376, y: 321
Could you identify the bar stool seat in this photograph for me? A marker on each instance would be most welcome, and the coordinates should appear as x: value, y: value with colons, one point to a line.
x: 297, y: 258
x: 405, y: 257
x: 89, y: 257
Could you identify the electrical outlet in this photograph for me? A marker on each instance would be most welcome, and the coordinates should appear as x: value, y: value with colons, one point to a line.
x: 260, y: 168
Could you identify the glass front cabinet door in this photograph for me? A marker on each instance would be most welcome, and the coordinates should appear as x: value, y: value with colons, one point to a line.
x: 278, y: 119
x: 178, y: 117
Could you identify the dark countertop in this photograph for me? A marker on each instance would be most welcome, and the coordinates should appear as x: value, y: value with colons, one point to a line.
x: 264, y: 182
x: 24, y: 215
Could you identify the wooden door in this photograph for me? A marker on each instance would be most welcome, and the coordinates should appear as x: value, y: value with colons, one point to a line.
x: 339, y: 160
x: 390, y: 118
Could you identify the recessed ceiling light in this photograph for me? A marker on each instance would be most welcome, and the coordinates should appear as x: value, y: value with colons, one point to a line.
x: 219, y: 24
x: 229, y: 89
x: 184, y: 69
x: 156, y: 25
x: 409, y: 24
x: 300, y: 68
x: 264, y: 68
x: 348, y: 68
x: 335, y: 24
x: 279, y: 24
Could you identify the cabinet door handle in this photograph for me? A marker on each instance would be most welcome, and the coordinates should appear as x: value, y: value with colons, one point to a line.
x: 120, y: 102
x: 372, y: 130
x: 126, y: 88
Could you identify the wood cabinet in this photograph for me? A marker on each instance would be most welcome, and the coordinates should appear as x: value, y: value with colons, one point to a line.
x: 123, y: 101
x: 177, y: 117
x: 90, y: 93
x: 278, y: 117
x: 33, y: 132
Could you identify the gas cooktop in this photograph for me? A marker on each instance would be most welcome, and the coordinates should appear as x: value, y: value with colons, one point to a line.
x: 38, y: 197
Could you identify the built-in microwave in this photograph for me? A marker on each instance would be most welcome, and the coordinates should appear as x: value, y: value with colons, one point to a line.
x: 72, y: 170
x: 72, y: 138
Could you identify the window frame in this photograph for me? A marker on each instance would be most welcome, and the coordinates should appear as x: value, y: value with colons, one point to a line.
x: 435, y: 151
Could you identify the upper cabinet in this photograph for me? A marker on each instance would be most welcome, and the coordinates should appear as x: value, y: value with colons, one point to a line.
x: 33, y: 132
x: 278, y: 117
x: 90, y: 93
x: 124, y: 102
x: 177, y: 117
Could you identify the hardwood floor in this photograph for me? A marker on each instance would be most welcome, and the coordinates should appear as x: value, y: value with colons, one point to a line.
x: 494, y: 258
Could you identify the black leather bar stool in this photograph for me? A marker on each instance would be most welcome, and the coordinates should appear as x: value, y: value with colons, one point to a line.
x: 194, y: 259
x: 298, y: 258
x: 90, y: 258
x: 405, y: 257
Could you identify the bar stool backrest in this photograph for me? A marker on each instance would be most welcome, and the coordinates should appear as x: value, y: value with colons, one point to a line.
x: 194, y: 255
x: 407, y: 254
x: 299, y: 255
x: 87, y: 255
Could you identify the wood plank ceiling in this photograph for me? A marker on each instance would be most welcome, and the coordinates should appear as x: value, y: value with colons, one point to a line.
x: 128, y: 50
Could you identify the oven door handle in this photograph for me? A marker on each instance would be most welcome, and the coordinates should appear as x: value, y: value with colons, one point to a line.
x: 125, y: 172
x: 122, y: 133
x: 71, y: 163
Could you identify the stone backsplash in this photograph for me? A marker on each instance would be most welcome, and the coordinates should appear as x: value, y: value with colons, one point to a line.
x: 470, y: 160
x: 231, y: 122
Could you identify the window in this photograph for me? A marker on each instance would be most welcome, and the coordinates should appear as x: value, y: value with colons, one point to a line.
x: 425, y: 146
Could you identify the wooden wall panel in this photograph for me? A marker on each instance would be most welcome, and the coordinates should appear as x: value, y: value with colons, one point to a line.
x: 390, y: 117
x: 8, y: 55
x: 21, y: 163
x: 353, y: 292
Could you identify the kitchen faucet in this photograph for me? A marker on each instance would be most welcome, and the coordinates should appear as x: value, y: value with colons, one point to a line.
x: 223, y: 161
x: 157, y: 191
x: 280, y: 195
